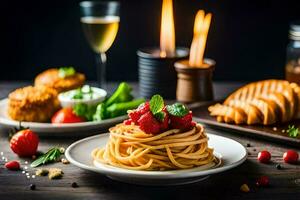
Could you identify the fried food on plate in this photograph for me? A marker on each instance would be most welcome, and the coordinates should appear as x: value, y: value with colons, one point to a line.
x: 34, y: 104
x: 62, y: 79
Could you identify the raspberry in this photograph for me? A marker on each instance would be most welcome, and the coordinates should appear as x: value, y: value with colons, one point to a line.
x: 193, y: 123
x: 164, y: 125
x: 143, y: 108
x: 149, y: 124
x: 183, y: 123
x: 127, y: 121
x: 136, y: 114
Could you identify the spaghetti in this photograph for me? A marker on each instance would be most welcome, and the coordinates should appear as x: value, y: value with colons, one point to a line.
x: 131, y: 148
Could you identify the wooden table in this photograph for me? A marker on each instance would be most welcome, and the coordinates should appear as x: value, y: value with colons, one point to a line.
x: 284, y: 184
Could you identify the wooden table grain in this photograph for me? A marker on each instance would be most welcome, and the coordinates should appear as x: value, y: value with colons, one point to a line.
x: 284, y: 183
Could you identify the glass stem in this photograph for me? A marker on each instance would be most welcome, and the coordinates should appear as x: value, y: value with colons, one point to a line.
x: 101, y: 70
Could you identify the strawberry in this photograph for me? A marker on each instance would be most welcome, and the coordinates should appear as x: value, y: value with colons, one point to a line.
x: 24, y: 143
x: 149, y: 124
x: 183, y: 123
x: 137, y: 113
x: 12, y: 165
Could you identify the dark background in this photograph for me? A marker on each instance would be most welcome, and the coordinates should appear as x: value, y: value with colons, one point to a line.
x: 247, y: 38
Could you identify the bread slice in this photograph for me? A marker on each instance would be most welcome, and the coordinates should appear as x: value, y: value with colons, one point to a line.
x: 254, y: 115
x: 296, y: 90
x: 263, y: 102
x: 228, y: 114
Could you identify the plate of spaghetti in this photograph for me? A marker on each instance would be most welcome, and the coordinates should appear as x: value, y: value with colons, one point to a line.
x: 158, y: 145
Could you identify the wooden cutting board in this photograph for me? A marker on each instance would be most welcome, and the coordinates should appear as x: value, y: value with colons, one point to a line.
x: 273, y: 133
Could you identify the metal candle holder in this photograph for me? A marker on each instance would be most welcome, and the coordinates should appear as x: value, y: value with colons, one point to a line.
x: 157, y: 74
x: 194, y: 83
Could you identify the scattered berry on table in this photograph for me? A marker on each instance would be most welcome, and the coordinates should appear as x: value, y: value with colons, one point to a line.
x: 263, y: 181
x: 32, y: 186
x: 74, y: 185
x: 245, y: 188
x: 291, y: 157
x: 278, y: 166
x: 264, y: 156
x: 12, y: 165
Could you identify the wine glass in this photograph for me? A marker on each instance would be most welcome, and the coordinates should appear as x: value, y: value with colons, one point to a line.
x: 100, y: 23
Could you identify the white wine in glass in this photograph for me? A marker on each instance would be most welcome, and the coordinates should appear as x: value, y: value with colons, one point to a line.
x: 100, y: 23
x: 100, y: 31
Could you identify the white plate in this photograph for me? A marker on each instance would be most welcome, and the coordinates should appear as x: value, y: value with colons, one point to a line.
x: 48, y: 129
x: 232, y: 152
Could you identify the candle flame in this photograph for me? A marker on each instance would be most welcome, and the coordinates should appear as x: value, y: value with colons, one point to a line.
x: 167, y: 31
x: 201, y: 27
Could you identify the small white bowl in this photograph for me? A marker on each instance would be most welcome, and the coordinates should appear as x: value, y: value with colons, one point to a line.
x: 66, y: 101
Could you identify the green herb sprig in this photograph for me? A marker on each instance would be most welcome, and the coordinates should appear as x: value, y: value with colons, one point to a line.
x: 178, y: 109
x: 156, y: 106
x: 51, y: 156
x: 292, y: 131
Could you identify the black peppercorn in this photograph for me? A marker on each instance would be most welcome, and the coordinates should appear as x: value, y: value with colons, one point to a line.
x: 278, y: 166
x: 32, y: 186
x: 74, y: 185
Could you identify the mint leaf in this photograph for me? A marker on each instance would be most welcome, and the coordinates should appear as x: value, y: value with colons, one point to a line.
x: 160, y: 116
x: 66, y: 71
x: 177, y: 109
x: 292, y: 131
x: 156, y: 104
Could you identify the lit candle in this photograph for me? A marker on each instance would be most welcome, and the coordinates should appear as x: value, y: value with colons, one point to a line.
x: 201, y: 28
x: 167, y: 30
x: 194, y: 75
x: 157, y: 74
